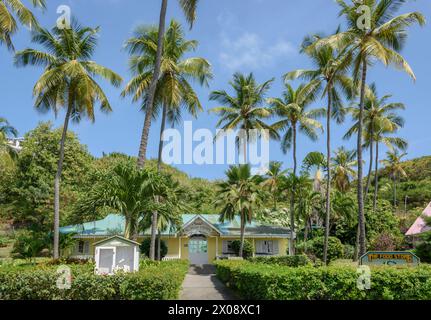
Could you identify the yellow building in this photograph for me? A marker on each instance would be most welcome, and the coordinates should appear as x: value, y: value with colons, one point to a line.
x: 201, y: 239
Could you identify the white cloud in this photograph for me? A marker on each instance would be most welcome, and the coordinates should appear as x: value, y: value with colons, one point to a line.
x: 250, y: 51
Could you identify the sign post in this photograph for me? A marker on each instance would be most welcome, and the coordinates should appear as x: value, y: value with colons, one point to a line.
x: 389, y: 258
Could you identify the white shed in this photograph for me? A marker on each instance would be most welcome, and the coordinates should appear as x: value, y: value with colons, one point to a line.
x: 116, y: 253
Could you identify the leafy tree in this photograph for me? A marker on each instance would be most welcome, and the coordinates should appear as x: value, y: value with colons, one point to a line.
x: 247, y: 249
x: 28, y: 196
x: 68, y: 82
x: 292, y: 109
x: 245, y: 110
x: 8, y: 23
x: 161, y: 247
x: 273, y: 181
x: 381, y: 40
x: 239, y: 194
x: 335, y: 248
x: 7, y: 131
x: 343, y: 164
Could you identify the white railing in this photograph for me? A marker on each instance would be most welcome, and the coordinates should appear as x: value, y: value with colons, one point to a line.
x: 171, y: 258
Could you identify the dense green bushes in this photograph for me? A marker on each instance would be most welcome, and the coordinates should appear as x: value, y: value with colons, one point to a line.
x: 289, y: 261
x: 272, y: 282
x: 158, y: 281
x: 145, y: 247
x: 247, y: 251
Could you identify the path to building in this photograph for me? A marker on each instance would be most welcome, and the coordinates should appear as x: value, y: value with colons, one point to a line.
x: 201, y: 283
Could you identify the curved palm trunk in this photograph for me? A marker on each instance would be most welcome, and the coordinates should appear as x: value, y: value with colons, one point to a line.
x: 328, y: 182
x: 57, y: 180
x: 395, y: 191
x: 148, y: 114
x: 159, y: 240
x: 292, y: 199
x: 370, y: 168
x: 241, y: 248
x: 376, y: 178
x: 361, y: 214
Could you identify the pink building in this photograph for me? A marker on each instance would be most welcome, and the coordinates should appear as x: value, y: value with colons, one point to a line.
x: 420, y: 225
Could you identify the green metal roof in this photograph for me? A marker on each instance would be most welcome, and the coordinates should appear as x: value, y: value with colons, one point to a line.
x: 114, y: 224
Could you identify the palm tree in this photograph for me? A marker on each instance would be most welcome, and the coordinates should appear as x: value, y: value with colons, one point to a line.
x: 316, y: 161
x: 9, y: 25
x: 394, y: 164
x: 245, y: 110
x: 189, y: 9
x: 68, y: 82
x: 7, y: 131
x: 330, y: 71
x: 240, y: 194
x: 382, y: 41
x: 292, y: 109
x: 379, y: 118
x: 273, y: 180
x: 174, y: 90
x: 343, y: 163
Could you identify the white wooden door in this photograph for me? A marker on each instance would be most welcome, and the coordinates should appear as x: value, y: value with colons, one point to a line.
x: 106, y: 260
x: 198, y: 250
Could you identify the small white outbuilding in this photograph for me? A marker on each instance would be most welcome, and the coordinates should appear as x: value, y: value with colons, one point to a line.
x: 116, y: 253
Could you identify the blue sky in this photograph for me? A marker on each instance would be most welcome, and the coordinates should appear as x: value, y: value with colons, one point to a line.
x: 260, y: 36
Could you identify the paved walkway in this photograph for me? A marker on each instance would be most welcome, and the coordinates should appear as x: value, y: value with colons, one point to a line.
x: 201, y: 283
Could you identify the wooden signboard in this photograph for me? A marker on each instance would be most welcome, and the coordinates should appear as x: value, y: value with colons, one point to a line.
x: 389, y: 258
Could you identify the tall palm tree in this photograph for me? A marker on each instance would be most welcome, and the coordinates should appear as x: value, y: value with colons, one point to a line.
x: 273, y: 180
x: 189, y: 9
x: 393, y: 163
x: 382, y: 41
x: 315, y: 161
x: 9, y: 25
x: 241, y: 194
x: 292, y: 108
x: 330, y: 72
x: 174, y: 91
x: 68, y: 82
x: 343, y: 163
x: 245, y: 110
x: 379, y: 118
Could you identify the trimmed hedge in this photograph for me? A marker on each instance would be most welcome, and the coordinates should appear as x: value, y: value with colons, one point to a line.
x: 274, y: 282
x: 289, y: 261
x: 158, y: 281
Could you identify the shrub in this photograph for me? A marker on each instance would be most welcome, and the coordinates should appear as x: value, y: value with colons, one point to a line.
x: 289, y: 261
x: 385, y: 242
x: 29, y: 244
x: 248, y: 248
x: 348, y: 251
x: 160, y: 281
x: 423, y: 249
x: 257, y: 281
x: 335, y: 248
x: 145, y: 247
x: 3, y: 242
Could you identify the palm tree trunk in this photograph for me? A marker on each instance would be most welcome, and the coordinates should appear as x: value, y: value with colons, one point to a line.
x: 328, y: 182
x: 57, y: 180
x: 241, y: 248
x: 149, y: 112
x: 356, y: 252
x: 153, y: 86
x: 162, y: 129
x: 292, y: 199
x: 376, y: 178
x: 361, y: 214
x: 395, y: 191
x: 159, y: 240
x: 370, y: 168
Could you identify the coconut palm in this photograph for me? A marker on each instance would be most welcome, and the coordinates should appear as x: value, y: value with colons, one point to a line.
x: 174, y: 91
x: 245, y: 110
x: 379, y: 118
x: 292, y: 108
x: 343, y: 163
x: 393, y: 163
x: 273, y: 180
x: 330, y: 72
x: 8, y: 23
x: 189, y: 9
x: 381, y: 40
x: 68, y: 82
x: 241, y: 194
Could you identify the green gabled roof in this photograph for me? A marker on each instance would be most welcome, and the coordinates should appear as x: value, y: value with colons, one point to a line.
x: 114, y: 224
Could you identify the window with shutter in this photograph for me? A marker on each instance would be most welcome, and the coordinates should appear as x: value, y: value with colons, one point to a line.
x: 275, y: 247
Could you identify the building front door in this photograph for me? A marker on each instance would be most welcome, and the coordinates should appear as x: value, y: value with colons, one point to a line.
x: 198, y: 250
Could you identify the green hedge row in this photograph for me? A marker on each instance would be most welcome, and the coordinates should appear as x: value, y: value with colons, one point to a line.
x: 289, y: 261
x: 274, y: 282
x: 155, y: 281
